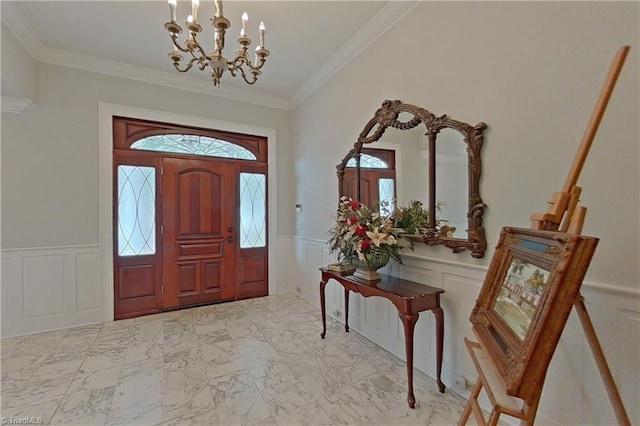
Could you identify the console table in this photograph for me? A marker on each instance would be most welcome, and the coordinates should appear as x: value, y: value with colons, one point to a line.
x: 410, y: 298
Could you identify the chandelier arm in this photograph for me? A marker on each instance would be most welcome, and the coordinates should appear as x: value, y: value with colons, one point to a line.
x: 193, y: 47
x: 255, y: 78
x: 174, y: 39
x: 188, y: 66
x: 203, y: 54
x: 261, y: 58
x: 238, y: 63
x: 257, y: 67
x: 237, y: 66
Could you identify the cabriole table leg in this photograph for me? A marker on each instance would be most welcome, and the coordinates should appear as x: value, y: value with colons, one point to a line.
x: 322, y: 308
x: 409, y: 322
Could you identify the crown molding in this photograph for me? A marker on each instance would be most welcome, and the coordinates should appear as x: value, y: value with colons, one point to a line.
x: 386, y: 18
x: 15, y: 105
x: 147, y: 75
x: 22, y: 30
x: 20, y: 27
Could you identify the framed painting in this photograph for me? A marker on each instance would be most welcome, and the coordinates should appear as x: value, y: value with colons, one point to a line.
x: 533, y: 281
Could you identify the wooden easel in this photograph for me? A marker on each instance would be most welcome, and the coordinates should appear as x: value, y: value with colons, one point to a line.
x: 563, y: 214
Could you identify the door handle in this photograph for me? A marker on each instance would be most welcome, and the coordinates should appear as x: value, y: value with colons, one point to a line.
x: 230, y: 239
x: 230, y: 229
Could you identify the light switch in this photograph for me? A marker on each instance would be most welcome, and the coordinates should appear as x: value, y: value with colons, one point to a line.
x: 298, y: 208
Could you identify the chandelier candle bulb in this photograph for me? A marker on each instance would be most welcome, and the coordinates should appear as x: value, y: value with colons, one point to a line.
x: 189, y: 23
x: 245, y: 19
x: 172, y: 9
x: 194, y: 9
x: 262, y: 29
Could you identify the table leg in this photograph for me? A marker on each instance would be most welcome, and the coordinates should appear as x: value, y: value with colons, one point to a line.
x: 346, y: 310
x: 439, y: 314
x: 409, y: 322
x: 322, y: 309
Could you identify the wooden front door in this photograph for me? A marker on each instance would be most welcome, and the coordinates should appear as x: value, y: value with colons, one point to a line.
x: 190, y: 221
x: 379, y: 165
x: 199, y: 219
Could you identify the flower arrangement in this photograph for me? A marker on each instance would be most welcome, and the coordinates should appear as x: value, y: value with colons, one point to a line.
x: 414, y: 219
x: 363, y: 234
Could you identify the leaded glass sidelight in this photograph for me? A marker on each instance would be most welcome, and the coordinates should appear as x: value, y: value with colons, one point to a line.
x: 386, y: 189
x: 193, y: 144
x: 368, y: 162
x: 136, y: 210
x: 253, y: 210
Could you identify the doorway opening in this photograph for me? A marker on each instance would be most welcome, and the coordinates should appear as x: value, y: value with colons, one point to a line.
x: 189, y: 216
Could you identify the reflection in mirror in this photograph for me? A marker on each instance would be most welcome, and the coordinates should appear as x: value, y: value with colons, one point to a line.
x: 377, y: 179
x: 438, y: 166
x: 451, y: 184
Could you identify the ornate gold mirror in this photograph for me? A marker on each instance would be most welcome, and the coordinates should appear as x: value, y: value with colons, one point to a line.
x: 432, y: 172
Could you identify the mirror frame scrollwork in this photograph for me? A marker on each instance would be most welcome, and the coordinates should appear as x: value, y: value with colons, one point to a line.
x: 387, y: 116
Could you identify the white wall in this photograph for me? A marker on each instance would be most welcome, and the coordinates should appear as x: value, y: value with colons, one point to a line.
x: 50, y: 153
x: 532, y: 71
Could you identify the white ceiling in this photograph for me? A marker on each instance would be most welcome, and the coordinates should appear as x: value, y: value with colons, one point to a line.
x: 308, y: 40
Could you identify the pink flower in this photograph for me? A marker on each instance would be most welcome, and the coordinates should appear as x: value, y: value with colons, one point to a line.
x: 366, y: 244
x: 353, y: 220
x: 355, y: 205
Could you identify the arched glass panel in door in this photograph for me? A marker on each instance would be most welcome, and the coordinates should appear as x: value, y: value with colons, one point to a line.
x: 193, y: 144
x: 368, y: 162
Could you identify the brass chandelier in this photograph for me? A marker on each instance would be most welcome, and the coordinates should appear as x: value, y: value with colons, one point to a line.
x: 240, y: 64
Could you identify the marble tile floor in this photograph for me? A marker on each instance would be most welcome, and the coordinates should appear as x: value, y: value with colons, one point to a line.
x: 259, y: 361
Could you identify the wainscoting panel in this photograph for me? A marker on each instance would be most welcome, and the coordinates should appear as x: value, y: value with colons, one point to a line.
x: 50, y: 288
x: 572, y: 379
x: 89, y: 288
x: 458, y: 301
x: 286, y: 265
x: 40, y: 299
x: 5, y: 269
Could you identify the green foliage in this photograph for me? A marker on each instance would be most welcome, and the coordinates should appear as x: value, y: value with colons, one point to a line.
x: 412, y: 218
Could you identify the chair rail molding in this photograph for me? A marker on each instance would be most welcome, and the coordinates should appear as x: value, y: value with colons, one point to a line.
x: 15, y: 105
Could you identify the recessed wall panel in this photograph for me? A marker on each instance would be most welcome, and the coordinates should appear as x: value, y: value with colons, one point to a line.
x: 88, y: 284
x: 4, y: 285
x: 42, y: 286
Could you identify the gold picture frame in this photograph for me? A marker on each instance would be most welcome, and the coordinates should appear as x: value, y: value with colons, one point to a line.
x: 533, y: 281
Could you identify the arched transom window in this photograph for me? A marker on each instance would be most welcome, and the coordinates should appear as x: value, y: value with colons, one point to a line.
x: 193, y: 144
x: 369, y: 162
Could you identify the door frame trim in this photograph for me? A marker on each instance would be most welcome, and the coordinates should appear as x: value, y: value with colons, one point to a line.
x: 106, y: 112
